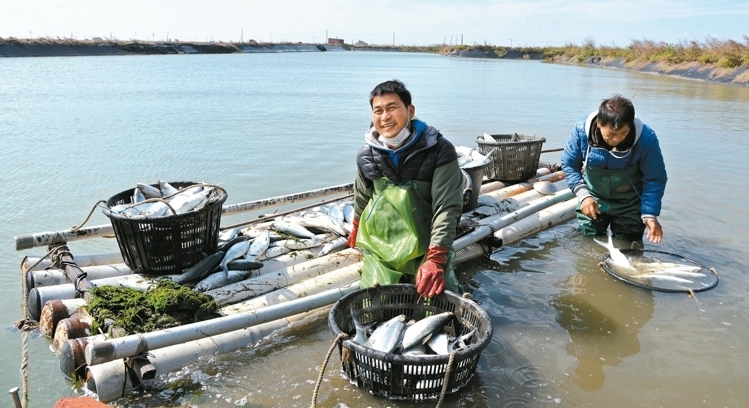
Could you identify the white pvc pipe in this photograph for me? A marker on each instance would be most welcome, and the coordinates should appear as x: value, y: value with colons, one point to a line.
x: 110, y: 381
x: 554, y: 215
x: 80, y: 260
x: 297, y: 291
x: 50, y: 237
x: 267, y: 282
x: 496, y: 222
x: 136, y: 344
x: 39, y: 296
x: 51, y: 277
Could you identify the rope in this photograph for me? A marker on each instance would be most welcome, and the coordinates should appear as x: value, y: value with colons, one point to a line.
x: 446, y: 380
x: 76, y: 228
x: 341, y: 337
x: 26, y: 325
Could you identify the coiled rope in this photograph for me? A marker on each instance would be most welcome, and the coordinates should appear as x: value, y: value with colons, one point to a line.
x: 336, y: 342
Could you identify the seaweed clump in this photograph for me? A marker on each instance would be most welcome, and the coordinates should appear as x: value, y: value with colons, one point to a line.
x: 167, y: 304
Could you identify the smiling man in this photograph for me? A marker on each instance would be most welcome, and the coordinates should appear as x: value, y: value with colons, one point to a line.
x: 614, y: 165
x: 408, y: 197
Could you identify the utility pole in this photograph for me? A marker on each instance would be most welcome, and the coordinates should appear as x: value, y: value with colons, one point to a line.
x: 326, y: 37
x: 393, y: 38
x: 461, y: 39
x: 510, y: 42
x: 241, y: 35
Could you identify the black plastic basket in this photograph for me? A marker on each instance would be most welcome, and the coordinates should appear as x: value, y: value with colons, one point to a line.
x: 169, y: 244
x: 515, y: 157
x: 405, y: 377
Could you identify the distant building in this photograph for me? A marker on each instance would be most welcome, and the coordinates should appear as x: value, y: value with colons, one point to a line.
x: 335, y: 41
x: 361, y: 43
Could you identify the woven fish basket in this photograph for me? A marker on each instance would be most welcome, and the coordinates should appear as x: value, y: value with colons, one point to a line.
x: 169, y: 244
x: 515, y: 157
x: 405, y: 377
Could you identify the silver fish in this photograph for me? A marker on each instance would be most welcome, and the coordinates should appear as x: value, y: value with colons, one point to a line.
x: 424, y: 328
x: 324, y: 222
x: 440, y: 343
x: 664, y: 277
x: 166, y: 188
x: 295, y: 244
x: 336, y: 245
x: 228, y: 235
x: 149, y: 191
x: 387, y: 336
x: 292, y: 229
x: 417, y: 350
x: 138, y: 196
x: 617, y: 257
x: 335, y: 212
x: 147, y: 210
x: 237, y: 250
x: 348, y: 211
x: 360, y: 336
x: 200, y: 269
x: 220, y: 279
x: 273, y: 252
x: 258, y: 246
x: 185, y: 201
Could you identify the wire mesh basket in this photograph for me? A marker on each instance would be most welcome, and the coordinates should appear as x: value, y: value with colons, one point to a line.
x: 408, y: 377
x: 515, y: 157
x: 166, y: 245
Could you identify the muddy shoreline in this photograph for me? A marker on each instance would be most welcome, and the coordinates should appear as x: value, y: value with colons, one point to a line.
x: 693, y: 70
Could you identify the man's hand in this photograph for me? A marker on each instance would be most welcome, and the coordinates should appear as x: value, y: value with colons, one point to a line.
x: 655, y: 231
x: 589, y: 207
x: 430, y: 279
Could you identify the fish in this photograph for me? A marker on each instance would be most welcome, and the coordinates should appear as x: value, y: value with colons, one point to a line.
x: 149, y: 191
x: 617, y: 257
x: 336, y: 245
x: 146, y: 210
x: 417, y: 350
x: 237, y: 250
x: 335, y: 212
x: 200, y: 269
x: 219, y: 279
x: 228, y: 235
x: 439, y: 343
x: 258, y: 246
x: 420, y: 331
x: 387, y: 336
x: 185, y: 201
x: 664, y: 277
x: 273, y: 252
x: 138, y: 196
x: 292, y: 229
x: 323, y: 222
x: 228, y: 244
x: 239, y: 265
x: 166, y: 188
x: 360, y: 336
x: 295, y: 244
x: 348, y: 211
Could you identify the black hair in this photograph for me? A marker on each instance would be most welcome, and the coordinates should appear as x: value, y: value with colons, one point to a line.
x: 393, y: 86
x: 616, y: 111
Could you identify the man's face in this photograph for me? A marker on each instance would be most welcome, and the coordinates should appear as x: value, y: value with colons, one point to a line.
x: 390, y: 115
x: 612, y: 136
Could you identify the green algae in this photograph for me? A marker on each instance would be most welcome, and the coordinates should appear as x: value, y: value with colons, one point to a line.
x: 167, y: 304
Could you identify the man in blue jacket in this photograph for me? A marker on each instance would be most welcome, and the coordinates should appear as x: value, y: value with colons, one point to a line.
x: 614, y: 165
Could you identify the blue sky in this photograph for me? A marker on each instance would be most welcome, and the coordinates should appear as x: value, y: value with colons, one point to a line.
x: 410, y: 22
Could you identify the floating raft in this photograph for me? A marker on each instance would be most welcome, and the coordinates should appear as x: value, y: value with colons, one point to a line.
x: 290, y: 288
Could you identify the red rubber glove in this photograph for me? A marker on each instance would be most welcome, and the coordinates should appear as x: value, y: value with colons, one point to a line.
x: 430, y: 279
x: 352, y: 235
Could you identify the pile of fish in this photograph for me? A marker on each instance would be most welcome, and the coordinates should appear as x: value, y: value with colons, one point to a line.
x: 653, y: 272
x: 323, y: 229
x: 469, y: 157
x: 152, y: 202
x: 412, y: 338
